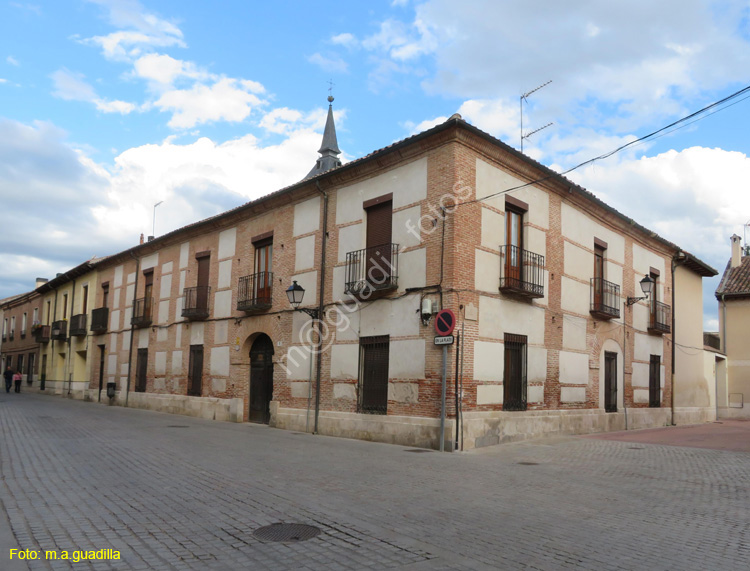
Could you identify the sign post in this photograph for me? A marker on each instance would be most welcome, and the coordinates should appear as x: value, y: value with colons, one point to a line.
x: 445, y: 322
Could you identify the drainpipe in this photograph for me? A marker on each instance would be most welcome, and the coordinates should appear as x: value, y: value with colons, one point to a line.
x: 680, y: 256
x: 132, y: 328
x: 51, y: 352
x: 321, y: 305
x: 70, y: 342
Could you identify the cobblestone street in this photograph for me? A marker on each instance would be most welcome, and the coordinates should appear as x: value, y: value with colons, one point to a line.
x: 171, y: 492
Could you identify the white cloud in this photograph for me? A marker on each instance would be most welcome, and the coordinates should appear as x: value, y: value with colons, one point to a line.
x: 139, y: 31
x: 71, y: 86
x: 227, y: 99
x: 12, y: 61
x: 333, y: 64
x: 346, y: 39
x: 688, y: 197
x: 162, y: 70
x: 2, y: 80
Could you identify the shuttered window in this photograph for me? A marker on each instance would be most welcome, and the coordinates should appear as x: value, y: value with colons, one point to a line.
x: 373, y: 376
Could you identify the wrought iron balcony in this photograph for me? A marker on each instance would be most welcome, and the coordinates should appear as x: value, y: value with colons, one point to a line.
x: 78, y: 325
x: 521, y: 272
x: 196, y: 302
x: 659, y: 320
x: 254, y: 292
x: 42, y: 333
x: 23, y: 334
x: 142, y: 310
x: 59, y: 330
x: 12, y: 335
x: 100, y: 320
x: 372, y: 269
x: 605, y: 299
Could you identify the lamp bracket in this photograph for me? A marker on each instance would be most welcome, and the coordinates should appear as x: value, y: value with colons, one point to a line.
x: 314, y: 313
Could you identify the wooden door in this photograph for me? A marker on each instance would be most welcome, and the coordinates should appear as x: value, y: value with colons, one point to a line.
x: 378, y: 251
x: 610, y: 382
x: 261, y: 380
x: 201, y: 299
x: 195, y: 371
x: 141, y: 367
x: 263, y: 269
x: 374, y: 374
x: 514, y: 242
x: 598, y: 277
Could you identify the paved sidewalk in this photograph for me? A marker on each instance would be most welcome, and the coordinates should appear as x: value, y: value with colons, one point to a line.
x: 171, y: 492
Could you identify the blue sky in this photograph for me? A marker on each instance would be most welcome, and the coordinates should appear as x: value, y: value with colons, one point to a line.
x: 109, y: 106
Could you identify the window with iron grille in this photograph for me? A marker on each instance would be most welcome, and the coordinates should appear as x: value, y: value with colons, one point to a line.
x: 373, y: 374
x: 514, y: 377
x: 610, y: 381
x: 654, y: 381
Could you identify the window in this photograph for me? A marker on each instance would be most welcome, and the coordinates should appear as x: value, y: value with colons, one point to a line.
x: 148, y: 291
x: 12, y: 326
x: 5, y: 327
x: 49, y: 311
x: 105, y: 294
x: 378, y: 252
x: 263, y: 269
x: 85, y: 299
x: 514, y: 212
x: 65, y: 306
x: 654, y: 381
x: 35, y: 319
x: 373, y: 374
x: 514, y: 375
x: 24, y: 322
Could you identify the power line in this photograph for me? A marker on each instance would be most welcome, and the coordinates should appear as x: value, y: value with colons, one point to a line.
x: 677, y: 124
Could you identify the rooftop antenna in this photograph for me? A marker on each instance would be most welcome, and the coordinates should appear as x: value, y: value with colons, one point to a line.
x: 522, y: 99
x: 744, y: 237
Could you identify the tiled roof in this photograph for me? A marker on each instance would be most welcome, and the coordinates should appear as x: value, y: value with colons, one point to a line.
x: 735, y: 281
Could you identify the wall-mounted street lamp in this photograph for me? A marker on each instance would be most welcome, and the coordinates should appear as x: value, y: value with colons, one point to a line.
x: 647, y: 285
x: 295, y: 293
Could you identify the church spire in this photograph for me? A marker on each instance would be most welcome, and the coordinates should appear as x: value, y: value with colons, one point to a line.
x: 329, y: 148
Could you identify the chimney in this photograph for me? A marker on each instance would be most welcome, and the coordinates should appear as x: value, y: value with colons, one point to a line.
x: 141, y: 237
x: 40, y: 282
x: 736, y: 252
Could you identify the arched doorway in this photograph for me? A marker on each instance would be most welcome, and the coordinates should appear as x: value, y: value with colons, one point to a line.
x: 261, y: 379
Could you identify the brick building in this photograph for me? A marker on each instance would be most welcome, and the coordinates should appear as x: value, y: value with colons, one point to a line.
x: 554, y: 334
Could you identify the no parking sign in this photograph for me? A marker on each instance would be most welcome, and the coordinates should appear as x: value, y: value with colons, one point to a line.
x: 445, y: 322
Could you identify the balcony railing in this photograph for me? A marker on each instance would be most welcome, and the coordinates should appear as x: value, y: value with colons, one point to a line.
x: 254, y: 292
x: 100, y: 320
x: 78, y: 325
x: 142, y: 310
x: 521, y: 272
x: 59, y: 330
x: 372, y: 269
x: 42, y: 334
x: 660, y: 318
x: 605, y: 299
x: 23, y: 334
x: 12, y: 335
x: 196, y: 302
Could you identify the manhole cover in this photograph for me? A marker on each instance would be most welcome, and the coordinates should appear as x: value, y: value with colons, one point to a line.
x: 286, y: 532
x: 418, y: 450
x: 528, y: 463
x: 177, y: 426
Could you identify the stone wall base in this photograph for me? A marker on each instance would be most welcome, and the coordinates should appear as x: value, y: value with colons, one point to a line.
x: 74, y: 390
x: 404, y: 430
x: 489, y: 428
x: 210, y: 408
x: 731, y: 412
x: 479, y: 428
x: 694, y: 415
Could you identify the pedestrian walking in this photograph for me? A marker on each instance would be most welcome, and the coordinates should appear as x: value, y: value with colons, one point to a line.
x: 8, y: 375
x: 17, y: 377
